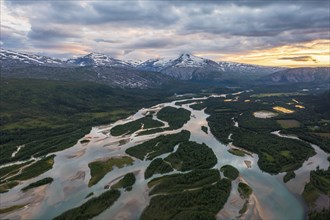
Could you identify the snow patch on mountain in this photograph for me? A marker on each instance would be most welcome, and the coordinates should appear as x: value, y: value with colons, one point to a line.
x: 233, y: 67
x: 96, y: 59
x: 188, y: 66
x: 184, y: 67
x: 8, y: 58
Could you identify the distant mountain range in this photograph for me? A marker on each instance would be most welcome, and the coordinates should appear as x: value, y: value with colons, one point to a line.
x: 95, y: 59
x: 306, y: 74
x: 189, y: 67
x: 151, y: 73
x: 9, y: 58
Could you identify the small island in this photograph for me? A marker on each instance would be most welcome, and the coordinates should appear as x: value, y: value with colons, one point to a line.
x: 230, y: 172
x: 205, y: 129
x: 92, y: 207
x: 100, y: 168
x: 126, y: 182
x: 157, y: 166
x: 41, y: 182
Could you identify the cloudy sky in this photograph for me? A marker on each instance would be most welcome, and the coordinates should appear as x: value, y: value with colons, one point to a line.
x: 281, y: 33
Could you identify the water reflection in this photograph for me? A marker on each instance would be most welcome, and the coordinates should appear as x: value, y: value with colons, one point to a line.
x: 271, y: 198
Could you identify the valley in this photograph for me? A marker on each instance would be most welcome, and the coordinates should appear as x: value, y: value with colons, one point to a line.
x: 169, y: 157
x: 153, y: 73
x: 164, y: 110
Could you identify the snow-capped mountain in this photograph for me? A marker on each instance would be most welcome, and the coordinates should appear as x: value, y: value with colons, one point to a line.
x: 134, y: 63
x: 242, y: 68
x: 100, y: 68
x: 10, y: 58
x: 303, y: 74
x: 188, y: 67
x: 185, y: 67
x: 96, y: 59
x: 96, y: 68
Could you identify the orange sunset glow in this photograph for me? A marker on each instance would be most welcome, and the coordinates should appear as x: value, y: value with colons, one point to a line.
x: 309, y: 54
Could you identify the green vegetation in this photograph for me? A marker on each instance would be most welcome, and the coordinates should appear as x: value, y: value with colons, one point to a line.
x: 158, y: 165
x: 181, y: 182
x: 92, y: 207
x: 205, y: 129
x: 276, y: 154
x: 152, y: 131
x: 288, y: 176
x: 279, y: 94
x: 321, y: 141
x: 326, y: 135
x: 200, y: 203
x: 229, y: 171
x: 89, y: 195
x: 244, y: 208
x: 5, y: 187
x: 273, y: 151
x: 314, y: 120
x: 41, y: 182
x: 197, y: 106
x: 176, y: 117
x: 286, y: 153
x: 191, y: 155
x: 253, y: 134
x: 220, y: 123
x: 127, y: 182
x: 85, y: 141
x: 236, y: 152
x: 289, y: 123
x: 244, y: 190
x: 100, y: 168
x: 11, y: 170
x: 41, y: 146
x: 11, y: 209
x: 60, y: 113
x: 133, y: 126
x: 158, y: 146
x: 248, y: 121
x: 322, y: 215
x: 35, y: 169
x: 184, y: 102
x: 319, y: 184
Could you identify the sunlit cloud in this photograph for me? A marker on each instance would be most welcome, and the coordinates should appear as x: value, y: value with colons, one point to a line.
x: 299, y: 59
x: 314, y: 53
x: 280, y: 33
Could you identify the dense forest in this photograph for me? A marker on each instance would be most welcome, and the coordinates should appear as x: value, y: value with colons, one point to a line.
x: 309, y: 122
x: 92, y: 207
x: 59, y: 113
x: 158, y: 146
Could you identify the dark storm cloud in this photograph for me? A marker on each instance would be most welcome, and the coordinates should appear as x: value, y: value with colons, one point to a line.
x: 12, y: 38
x: 268, y: 20
x: 98, y: 40
x: 241, y: 18
x: 229, y: 26
x: 126, y: 13
x: 50, y: 34
x: 299, y: 59
x: 154, y: 43
x: 154, y: 14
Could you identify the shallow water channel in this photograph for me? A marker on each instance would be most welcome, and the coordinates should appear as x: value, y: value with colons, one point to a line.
x: 271, y: 198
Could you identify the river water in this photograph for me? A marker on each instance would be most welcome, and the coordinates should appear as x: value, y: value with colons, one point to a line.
x: 271, y: 198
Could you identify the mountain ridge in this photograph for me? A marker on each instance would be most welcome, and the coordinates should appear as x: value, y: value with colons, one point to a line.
x: 150, y: 73
x: 301, y: 74
x: 98, y: 59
